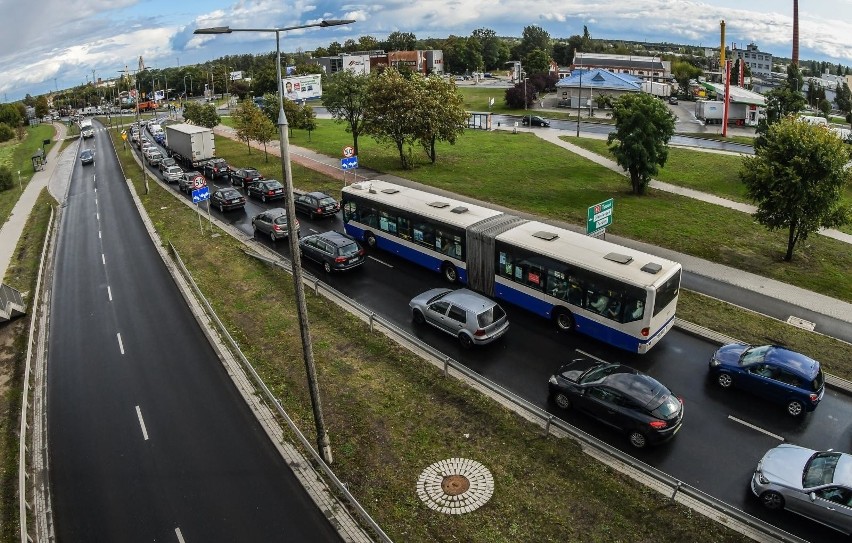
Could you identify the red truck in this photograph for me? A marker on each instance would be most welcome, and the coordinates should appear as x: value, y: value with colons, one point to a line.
x: 147, y: 105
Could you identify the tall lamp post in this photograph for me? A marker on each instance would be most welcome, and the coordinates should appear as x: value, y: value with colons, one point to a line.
x: 579, y: 99
x: 139, y: 127
x: 323, y: 442
x: 185, y: 95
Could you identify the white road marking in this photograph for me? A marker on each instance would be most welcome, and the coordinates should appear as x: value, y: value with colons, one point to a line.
x: 380, y: 262
x: 103, y: 259
x: 591, y: 356
x: 753, y: 427
x: 314, y: 230
x: 142, y: 423
x: 98, y: 216
x: 179, y: 535
x: 99, y: 234
x: 120, y: 344
x: 109, y: 291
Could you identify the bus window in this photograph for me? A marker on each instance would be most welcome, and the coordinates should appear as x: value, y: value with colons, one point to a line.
x: 350, y: 212
x: 666, y: 293
x: 403, y: 228
x: 448, y: 244
x: 387, y: 222
x: 369, y: 216
x: 423, y: 234
x: 557, y: 284
x: 634, y: 310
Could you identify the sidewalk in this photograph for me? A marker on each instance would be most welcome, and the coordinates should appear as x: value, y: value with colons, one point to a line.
x: 800, y: 297
x: 11, y: 230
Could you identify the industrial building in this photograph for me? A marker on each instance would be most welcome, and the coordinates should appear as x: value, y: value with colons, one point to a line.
x: 363, y: 62
x: 758, y: 62
x: 646, y: 68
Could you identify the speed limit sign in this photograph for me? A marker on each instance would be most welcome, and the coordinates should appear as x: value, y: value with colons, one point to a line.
x: 198, y: 182
x: 348, y: 151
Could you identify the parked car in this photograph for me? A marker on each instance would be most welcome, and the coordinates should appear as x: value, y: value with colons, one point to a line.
x: 534, y: 120
x: 272, y: 222
x: 673, y: 100
x: 227, y: 198
x: 316, y: 204
x: 166, y: 163
x: 334, y: 250
x: 173, y: 174
x: 814, y: 484
x: 244, y: 176
x: 471, y: 317
x: 774, y: 373
x: 190, y: 181
x: 87, y: 156
x: 215, y: 167
x: 154, y: 157
x: 266, y: 190
x: 619, y: 396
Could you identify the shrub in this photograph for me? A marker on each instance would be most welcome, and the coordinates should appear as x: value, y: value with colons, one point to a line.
x: 6, y: 132
x: 6, y: 181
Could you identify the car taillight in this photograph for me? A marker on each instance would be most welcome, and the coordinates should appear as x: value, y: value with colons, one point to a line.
x: 658, y: 424
x: 814, y: 398
x: 645, y: 332
x: 277, y: 228
x: 319, y: 210
x: 479, y: 333
x: 340, y: 259
x: 270, y: 192
x: 360, y: 252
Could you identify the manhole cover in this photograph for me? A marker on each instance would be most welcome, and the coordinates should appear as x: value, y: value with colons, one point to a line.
x: 455, y: 486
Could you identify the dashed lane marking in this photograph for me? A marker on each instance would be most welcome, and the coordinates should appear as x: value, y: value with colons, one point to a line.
x: 758, y: 428
x: 380, y: 262
x: 142, y: 423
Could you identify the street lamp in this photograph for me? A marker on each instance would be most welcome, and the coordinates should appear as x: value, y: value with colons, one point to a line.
x: 525, y: 92
x: 323, y: 442
x: 139, y: 127
x: 579, y: 99
x: 185, y: 95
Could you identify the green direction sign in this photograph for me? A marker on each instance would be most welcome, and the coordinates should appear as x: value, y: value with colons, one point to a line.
x: 599, y: 216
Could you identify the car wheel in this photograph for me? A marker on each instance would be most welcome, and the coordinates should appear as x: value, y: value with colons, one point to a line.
x: 254, y: 229
x: 370, y: 239
x: 772, y: 500
x: 221, y: 208
x: 564, y: 320
x: 263, y: 198
x: 327, y: 267
x: 725, y: 380
x: 450, y: 273
x: 273, y: 236
x: 561, y: 400
x: 465, y: 340
x: 638, y: 439
x: 795, y: 408
x: 418, y: 317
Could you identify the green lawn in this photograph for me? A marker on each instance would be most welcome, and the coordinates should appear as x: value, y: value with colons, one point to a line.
x: 17, y: 156
x: 390, y: 414
x: 523, y: 172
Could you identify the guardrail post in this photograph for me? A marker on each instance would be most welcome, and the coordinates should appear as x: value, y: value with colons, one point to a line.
x: 447, y: 366
x: 547, y: 425
x: 372, y: 315
x: 316, y: 286
x: 676, y: 490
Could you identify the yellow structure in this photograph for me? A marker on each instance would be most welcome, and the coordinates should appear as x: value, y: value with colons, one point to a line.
x: 722, y: 48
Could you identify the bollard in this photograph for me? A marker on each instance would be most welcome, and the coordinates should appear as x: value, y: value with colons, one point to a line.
x: 372, y: 315
x: 547, y: 425
x: 676, y: 490
x: 447, y: 367
x: 316, y: 287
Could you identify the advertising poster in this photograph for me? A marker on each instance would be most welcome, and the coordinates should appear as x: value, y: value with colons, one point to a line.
x: 303, y: 87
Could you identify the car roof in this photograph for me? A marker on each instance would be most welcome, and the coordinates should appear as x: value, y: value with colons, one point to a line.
x: 276, y: 212
x: 335, y: 237
x: 317, y: 194
x: 793, y: 361
x: 469, y: 299
x: 634, y: 384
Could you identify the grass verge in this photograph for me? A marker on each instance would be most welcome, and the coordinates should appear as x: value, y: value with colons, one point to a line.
x: 22, y: 274
x: 390, y: 415
x: 17, y: 156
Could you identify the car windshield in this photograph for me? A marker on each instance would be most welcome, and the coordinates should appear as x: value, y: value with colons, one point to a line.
x: 280, y: 219
x: 274, y: 185
x: 349, y: 249
x: 326, y: 201
x: 231, y: 194
x: 490, y: 316
x: 754, y: 355
x: 820, y: 469
x: 597, y: 373
x: 252, y: 173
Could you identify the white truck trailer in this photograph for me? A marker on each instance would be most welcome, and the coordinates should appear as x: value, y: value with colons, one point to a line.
x: 190, y: 145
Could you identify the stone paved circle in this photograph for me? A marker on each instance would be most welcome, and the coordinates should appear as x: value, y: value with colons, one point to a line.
x: 455, y: 486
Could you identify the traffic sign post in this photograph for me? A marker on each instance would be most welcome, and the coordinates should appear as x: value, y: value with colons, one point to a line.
x: 599, y: 217
x: 200, y: 194
x: 349, y: 163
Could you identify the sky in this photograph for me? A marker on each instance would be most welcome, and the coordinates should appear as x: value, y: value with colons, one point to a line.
x: 56, y: 44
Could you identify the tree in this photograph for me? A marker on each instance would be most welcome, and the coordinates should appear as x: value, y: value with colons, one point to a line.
x: 518, y: 96
x: 442, y: 115
x: 207, y: 116
x: 6, y: 180
x: 643, y: 128
x: 367, y: 43
x: 264, y: 132
x: 391, y: 112
x: 534, y: 37
x: 345, y: 98
x: 824, y: 107
x: 401, y: 41
x: 683, y: 71
x: 495, y: 52
x: 41, y: 107
x: 536, y: 62
x: 797, y: 179
x: 245, y: 115
x: 308, y: 120
x: 843, y: 97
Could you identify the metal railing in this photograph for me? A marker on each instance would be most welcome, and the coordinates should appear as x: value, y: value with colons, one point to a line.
x: 532, y: 412
x: 11, y: 302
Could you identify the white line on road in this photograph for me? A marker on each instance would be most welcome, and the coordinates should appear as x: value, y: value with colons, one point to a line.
x: 179, y: 535
x: 99, y: 234
x: 120, y: 344
x: 380, y: 262
x: 315, y: 231
x: 103, y: 259
x: 753, y: 427
x: 109, y: 291
x: 98, y: 216
x: 590, y: 355
x: 142, y: 423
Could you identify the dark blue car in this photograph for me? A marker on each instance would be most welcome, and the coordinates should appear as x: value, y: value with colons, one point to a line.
x: 774, y: 373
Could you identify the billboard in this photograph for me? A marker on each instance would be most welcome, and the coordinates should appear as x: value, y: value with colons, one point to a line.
x: 236, y: 76
x: 303, y: 87
x: 357, y: 64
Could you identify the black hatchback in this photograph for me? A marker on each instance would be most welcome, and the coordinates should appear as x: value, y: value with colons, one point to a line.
x: 534, y: 120
x: 621, y: 397
x: 334, y: 250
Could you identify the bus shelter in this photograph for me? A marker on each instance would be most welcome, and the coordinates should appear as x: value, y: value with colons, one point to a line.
x: 38, y: 160
x: 480, y: 120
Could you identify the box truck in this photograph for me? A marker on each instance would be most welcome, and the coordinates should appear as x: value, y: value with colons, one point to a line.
x: 189, y: 145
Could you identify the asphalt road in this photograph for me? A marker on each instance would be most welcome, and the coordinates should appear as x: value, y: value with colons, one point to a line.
x: 725, y: 433
x: 148, y: 438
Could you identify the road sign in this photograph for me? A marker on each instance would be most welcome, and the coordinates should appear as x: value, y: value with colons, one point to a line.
x: 199, y: 182
x: 599, y: 216
x: 199, y: 195
x: 124, y: 135
x: 348, y: 151
x: 349, y: 163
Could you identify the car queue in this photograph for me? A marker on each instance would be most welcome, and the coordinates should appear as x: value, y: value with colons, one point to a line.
x: 616, y: 396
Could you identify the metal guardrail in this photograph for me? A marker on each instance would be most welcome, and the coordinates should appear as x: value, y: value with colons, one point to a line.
x: 23, y: 504
x: 547, y: 420
x: 11, y: 302
x: 272, y: 400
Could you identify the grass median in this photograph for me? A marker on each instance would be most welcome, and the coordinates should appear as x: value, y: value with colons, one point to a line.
x: 17, y: 156
x: 390, y: 415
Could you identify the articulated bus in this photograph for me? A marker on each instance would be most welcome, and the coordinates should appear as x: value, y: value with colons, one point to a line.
x: 615, y: 294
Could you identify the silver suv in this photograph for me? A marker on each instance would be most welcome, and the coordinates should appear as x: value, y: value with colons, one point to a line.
x: 471, y: 317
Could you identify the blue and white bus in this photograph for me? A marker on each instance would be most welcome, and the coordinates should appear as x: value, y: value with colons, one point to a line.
x: 623, y: 297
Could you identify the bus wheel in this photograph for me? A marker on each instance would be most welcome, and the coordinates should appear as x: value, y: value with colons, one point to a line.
x: 450, y: 273
x: 564, y: 320
x: 370, y: 239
